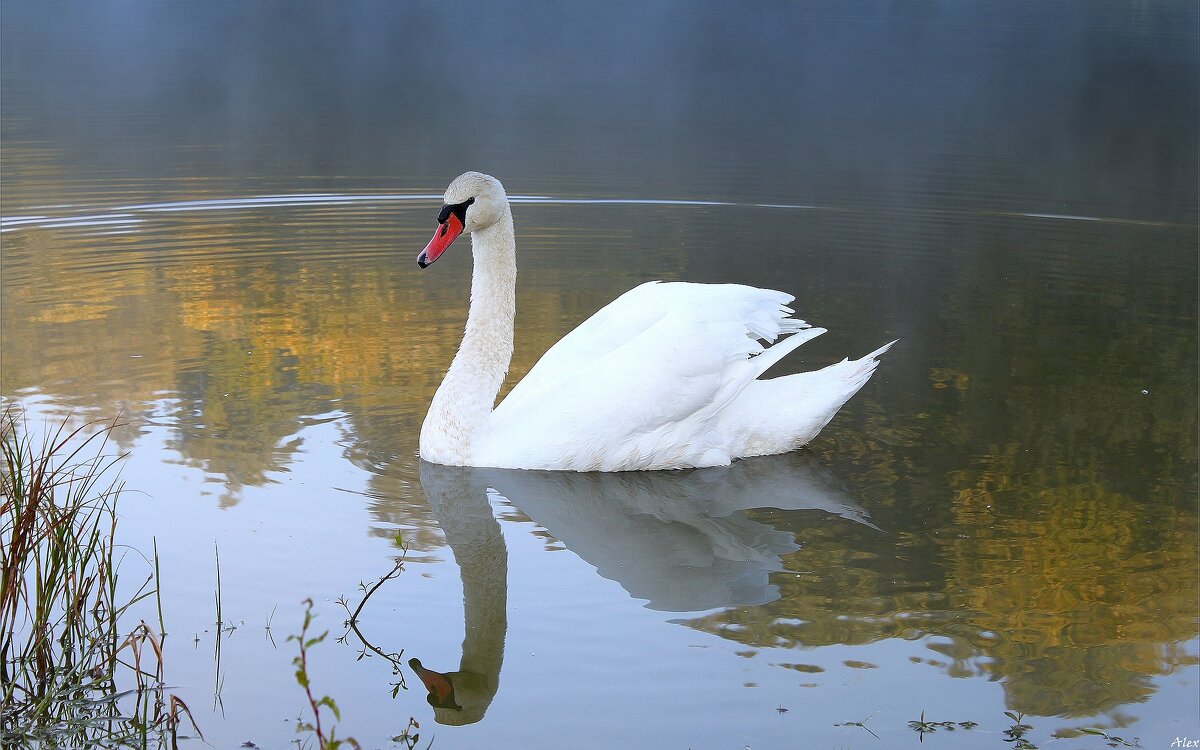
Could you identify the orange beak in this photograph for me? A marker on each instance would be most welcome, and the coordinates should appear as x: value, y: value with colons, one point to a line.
x: 441, y: 689
x: 445, y: 234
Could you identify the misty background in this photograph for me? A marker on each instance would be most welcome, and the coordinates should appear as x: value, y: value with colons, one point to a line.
x: 1085, y: 108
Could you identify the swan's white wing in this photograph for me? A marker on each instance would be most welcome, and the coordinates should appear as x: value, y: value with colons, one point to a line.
x: 763, y: 312
x: 636, y: 385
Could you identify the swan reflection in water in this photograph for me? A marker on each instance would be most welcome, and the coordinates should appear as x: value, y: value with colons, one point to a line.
x: 682, y: 541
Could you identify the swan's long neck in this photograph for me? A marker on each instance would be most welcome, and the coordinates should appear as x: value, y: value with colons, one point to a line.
x: 464, y: 401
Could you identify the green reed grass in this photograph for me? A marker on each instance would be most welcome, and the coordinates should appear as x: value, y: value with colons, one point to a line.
x: 305, y: 642
x: 61, y: 650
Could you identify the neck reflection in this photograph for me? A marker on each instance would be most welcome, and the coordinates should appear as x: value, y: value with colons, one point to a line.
x: 462, y: 509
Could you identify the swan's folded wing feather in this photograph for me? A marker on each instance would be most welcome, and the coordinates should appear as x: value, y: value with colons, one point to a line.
x: 616, y: 413
x: 644, y: 398
x: 612, y: 326
x: 761, y: 312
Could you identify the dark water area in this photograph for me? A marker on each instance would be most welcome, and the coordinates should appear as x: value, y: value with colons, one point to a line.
x: 210, y: 216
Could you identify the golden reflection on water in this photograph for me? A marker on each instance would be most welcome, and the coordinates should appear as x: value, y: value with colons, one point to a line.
x: 1072, y: 595
x: 239, y: 347
x: 1036, y: 538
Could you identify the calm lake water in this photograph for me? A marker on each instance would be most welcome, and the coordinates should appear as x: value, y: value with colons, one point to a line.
x: 211, y: 215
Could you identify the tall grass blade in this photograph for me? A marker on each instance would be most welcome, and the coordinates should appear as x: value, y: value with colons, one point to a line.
x: 60, y: 604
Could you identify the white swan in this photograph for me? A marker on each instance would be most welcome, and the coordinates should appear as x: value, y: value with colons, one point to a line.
x: 663, y: 377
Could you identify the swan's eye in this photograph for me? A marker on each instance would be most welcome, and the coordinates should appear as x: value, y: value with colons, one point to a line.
x: 458, y: 209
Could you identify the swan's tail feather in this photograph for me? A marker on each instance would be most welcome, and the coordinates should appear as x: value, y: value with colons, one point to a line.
x: 875, y: 355
x: 857, y: 372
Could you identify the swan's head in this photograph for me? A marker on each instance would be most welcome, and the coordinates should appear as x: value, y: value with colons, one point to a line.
x: 474, y: 201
